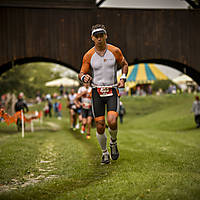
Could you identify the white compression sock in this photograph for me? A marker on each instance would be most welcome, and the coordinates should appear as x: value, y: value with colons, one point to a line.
x: 102, y: 139
x: 113, y: 134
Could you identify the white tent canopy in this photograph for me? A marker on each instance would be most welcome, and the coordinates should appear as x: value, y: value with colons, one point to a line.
x: 183, y: 79
x: 66, y: 82
x: 184, y: 82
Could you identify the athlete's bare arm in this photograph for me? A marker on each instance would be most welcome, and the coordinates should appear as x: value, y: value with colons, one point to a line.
x: 124, y: 66
x: 77, y: 101
x: 67, y: 102
x: 83, y: 75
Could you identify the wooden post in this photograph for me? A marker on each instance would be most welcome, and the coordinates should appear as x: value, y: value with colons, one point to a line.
x: 22, y: 116
x: 32, y: 126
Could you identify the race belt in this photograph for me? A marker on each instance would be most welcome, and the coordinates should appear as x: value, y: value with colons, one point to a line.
x: 104, y: 91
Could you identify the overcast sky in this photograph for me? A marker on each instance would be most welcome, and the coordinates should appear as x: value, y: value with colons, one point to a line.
x: 168, y: 4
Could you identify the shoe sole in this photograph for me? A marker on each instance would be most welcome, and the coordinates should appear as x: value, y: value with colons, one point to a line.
x: 106, y: 163
x: 115, y: 158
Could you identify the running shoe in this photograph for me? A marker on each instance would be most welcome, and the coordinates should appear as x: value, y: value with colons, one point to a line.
x: 88, y: 137
x: 77, y: 126
x: 82, y: 130
x: 114, y: 150
x: 105, y: 158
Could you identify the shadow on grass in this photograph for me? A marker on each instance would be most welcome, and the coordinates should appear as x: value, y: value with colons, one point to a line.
x: 189, y: 129
x: 12, y: 132
x: 8, y: 132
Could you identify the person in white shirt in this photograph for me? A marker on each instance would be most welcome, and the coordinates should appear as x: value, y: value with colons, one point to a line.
x: 72, y: 108
x: 83, y: 99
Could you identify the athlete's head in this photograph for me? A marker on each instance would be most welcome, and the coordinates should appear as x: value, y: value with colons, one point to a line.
x: 98, y: 33
x: 72, y: 91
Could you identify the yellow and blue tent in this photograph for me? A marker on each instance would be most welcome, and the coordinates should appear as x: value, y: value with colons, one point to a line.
x: 143, y: 73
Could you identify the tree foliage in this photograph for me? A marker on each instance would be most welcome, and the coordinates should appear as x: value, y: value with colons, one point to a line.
x: 28, y: 78
x: 163, y: 84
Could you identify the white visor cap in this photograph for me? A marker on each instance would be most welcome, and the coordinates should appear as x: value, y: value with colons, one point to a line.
x: 98, y: 30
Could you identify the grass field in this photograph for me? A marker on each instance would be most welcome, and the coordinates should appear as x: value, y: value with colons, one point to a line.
x: 159, y: 157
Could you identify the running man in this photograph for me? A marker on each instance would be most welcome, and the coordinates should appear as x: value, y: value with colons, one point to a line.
x: 103, y: 60
x: 72, y: 108
x: 83, y: 99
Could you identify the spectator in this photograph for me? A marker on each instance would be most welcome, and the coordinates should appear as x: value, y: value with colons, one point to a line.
x: 196, y: 111
x: 50, y: 107
x: 46, y: 109
x: 38, y: 97
x: 61, y: 89
x: 20, y: 105
x: 122, y: 112
x: 57, y: 109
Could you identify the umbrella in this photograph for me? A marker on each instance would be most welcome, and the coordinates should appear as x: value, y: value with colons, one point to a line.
x: 143, y: 73
x: 66, y: 82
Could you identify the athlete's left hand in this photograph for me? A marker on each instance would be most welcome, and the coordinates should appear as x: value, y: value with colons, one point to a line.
x: 121, y: 83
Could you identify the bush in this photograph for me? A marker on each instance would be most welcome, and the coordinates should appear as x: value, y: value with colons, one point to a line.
x: 163, y: 84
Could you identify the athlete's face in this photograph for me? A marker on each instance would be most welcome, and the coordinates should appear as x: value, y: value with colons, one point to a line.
x: 99, y: 39
x: 72, y: 91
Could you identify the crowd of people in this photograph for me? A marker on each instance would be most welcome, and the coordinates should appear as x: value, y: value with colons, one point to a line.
x: 80, y: 109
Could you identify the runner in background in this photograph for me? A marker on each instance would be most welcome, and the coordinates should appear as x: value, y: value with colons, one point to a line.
x: 72, y: 108
x: 83, y: 99
x: 79, y: 116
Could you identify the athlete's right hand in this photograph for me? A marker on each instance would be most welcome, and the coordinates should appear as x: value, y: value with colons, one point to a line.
x: 87, y: 78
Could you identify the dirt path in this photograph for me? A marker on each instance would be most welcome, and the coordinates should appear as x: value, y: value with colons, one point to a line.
x: 44, y: 164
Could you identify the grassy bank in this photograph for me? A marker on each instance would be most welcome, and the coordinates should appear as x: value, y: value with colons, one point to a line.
x: 159, y: 157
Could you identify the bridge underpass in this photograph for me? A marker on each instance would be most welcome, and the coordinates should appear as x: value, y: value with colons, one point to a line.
x: 61, y: 34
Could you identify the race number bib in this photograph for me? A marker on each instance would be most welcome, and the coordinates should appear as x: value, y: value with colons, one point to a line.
x: 86, y: 103
x: 105, y: 91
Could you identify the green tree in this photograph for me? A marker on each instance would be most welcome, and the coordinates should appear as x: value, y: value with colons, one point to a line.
x: 28, y: 78
x: 163, y: 84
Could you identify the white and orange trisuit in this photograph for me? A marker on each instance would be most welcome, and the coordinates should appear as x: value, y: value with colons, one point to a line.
x: 104, y: 74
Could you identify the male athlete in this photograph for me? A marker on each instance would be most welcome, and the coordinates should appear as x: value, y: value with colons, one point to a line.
x: 72, y: 108
x: 103, y: 60
x: 84, y: 94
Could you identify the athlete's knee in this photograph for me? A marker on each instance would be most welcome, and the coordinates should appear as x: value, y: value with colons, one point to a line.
x: 100, y: 125
x: 84, y: 121
x: 112, y: 119
x: 89, y: 120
